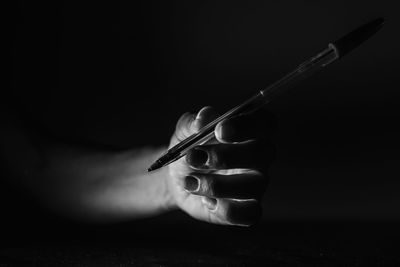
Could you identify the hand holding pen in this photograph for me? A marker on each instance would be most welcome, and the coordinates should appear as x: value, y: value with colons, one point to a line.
x: 223, y: 181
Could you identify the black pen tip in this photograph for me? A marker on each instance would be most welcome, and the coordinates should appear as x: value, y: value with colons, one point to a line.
x: 350, y: 41
x: 156, y: 165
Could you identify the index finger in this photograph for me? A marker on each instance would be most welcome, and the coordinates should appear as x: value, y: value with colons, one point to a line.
x: 256, y: 125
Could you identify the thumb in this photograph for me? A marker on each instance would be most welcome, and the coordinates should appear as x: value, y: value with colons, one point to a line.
x: 189, y: 123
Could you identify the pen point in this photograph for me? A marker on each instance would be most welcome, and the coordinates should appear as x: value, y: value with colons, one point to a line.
x: 156, y: 165
x: 151, y: 169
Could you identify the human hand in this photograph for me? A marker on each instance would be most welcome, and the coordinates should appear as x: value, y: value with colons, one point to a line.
x: 223, y: 181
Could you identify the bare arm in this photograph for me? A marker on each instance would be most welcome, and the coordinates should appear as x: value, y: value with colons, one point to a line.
x: 220, y: 182
x: 86, y: 184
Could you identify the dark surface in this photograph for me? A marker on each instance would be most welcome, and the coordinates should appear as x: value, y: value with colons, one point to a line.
x: 191, y: 243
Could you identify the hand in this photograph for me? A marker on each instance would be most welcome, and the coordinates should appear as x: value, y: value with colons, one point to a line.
x: 223, y: 181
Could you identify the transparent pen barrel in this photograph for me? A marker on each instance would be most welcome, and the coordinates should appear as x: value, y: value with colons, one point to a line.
x: 257, y: 101
x: 303, y: 71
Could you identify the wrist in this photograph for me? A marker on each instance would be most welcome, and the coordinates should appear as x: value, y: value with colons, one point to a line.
x: 168, y: 202
x: 166, y: 199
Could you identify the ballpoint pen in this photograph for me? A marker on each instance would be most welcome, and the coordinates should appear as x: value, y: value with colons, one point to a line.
x: 335, y: 50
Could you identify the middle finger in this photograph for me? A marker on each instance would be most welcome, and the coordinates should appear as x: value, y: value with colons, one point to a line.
x: 246, y: 155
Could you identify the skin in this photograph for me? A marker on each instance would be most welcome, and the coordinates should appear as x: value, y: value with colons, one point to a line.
x: 220, y: 182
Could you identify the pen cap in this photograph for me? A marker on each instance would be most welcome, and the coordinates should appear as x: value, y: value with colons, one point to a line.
x: 350, y: 41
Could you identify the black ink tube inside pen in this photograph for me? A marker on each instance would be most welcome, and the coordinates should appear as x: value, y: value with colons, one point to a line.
x: 334, y: 51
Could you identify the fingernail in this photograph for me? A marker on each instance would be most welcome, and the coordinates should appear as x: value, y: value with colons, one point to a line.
x: 200, y: 113
x: 218, y: 131
x: 224, y: 131
x: 210, y: 203
x: 198, y: 116
x: 192, y: 184
x: 197, y: 157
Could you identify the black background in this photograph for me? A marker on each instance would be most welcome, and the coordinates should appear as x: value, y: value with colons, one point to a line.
x: 121, y: 73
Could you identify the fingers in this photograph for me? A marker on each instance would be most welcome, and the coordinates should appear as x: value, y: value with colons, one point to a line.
x: 248, y: 155
x: 233, y: 212
x: 224, y: 180
x: 256, y: 125
x: 246, y: 185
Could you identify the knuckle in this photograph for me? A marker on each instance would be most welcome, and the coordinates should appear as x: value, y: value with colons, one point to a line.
x: 207, y: 186
x: 215, y: 187
x: 216, y: 158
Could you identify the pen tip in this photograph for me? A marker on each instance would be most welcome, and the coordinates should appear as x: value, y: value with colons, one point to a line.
x: 156, y: 165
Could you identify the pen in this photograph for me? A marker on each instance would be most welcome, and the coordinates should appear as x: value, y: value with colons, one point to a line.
x: 335, y: 50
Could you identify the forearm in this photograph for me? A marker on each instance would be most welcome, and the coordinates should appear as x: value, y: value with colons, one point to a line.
x: 89, y: 185
x: 108, y: 186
